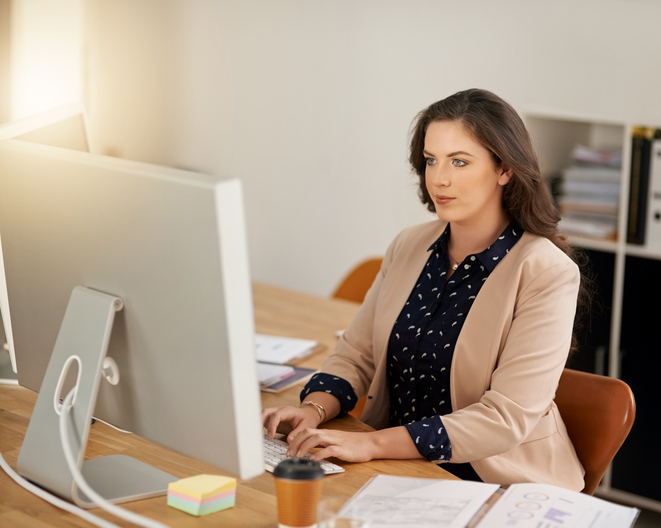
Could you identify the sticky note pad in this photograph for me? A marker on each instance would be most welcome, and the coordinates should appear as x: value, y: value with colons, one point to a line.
x: 202, y: 494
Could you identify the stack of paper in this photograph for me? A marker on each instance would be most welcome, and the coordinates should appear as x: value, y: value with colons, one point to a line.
x: 590, y: 193
x: 281, y: 350
x: 202, y: 494
x: 269, y: 374
x: 300, y: 375
x: 273, y: 352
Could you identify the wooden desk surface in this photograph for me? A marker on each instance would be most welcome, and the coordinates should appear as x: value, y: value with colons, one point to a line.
x: 277, y: 311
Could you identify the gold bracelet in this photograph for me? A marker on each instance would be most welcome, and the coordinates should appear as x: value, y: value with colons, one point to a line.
x: 319, y: 408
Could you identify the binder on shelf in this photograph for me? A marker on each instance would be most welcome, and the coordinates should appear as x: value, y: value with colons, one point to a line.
x: 641, y: 143
x: 653, y: 231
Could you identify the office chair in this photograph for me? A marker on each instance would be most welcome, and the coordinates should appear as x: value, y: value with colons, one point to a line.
x: 598, y: 412
x: 353, y: 288
x: 355, y: 285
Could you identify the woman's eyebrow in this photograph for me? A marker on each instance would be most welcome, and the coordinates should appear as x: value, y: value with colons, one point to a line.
x: 460, y: 153
x: 450, y: 155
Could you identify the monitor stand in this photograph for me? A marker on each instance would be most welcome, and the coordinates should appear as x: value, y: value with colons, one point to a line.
x: 80, y: 350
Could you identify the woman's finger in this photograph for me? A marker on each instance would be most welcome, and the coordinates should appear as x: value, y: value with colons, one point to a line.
x: 273, y: 417
x: 287, y: 420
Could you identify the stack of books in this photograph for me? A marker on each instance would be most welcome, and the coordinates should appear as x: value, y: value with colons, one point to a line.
x: 590, y: 193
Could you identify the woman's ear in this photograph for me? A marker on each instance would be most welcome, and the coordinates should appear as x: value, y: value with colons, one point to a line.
x: 505, y: 175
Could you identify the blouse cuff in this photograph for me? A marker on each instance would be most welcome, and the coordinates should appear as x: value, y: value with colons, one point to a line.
x: 335, y: 386
x: 431, y: 439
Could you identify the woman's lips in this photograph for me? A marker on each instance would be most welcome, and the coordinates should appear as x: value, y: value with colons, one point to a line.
x: 441, y: 199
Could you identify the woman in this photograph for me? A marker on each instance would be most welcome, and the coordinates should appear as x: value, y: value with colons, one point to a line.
x: 462, y: 338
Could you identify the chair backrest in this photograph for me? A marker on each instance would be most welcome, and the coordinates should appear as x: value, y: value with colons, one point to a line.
x: 355, y: 285
x: 598, y: 412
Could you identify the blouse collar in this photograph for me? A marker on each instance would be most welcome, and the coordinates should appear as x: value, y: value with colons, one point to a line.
x: 492, y: 255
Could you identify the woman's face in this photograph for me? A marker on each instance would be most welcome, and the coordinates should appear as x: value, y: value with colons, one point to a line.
x: 462, y: 179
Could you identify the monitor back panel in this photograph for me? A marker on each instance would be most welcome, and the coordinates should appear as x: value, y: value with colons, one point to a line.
x: 152, y: 236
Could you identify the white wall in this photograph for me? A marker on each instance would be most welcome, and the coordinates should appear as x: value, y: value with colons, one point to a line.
x: 45, y: 55
x: 310, y: 102
x: 5, y: 55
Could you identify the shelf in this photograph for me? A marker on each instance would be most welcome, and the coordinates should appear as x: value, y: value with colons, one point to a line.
x: 641, y: 251
x: 627, y: 275
x: 609, y: 246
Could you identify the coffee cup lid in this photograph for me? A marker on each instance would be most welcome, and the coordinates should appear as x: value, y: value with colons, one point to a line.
x: 298, y: 469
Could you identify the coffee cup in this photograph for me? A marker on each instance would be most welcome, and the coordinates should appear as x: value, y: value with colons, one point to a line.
x: 298, y: 489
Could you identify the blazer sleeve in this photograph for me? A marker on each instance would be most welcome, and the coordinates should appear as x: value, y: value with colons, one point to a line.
x: 532, y: 342
x: 354, y: 357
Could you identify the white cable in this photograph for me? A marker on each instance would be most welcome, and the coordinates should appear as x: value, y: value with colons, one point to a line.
x: 55, y: 501
x: 97, y: 499
x: 113, y: 426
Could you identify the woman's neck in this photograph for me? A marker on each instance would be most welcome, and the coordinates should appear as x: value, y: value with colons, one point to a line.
x: 470, y: 239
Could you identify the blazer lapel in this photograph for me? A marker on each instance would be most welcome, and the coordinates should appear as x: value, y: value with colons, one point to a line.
x: 399, y: 281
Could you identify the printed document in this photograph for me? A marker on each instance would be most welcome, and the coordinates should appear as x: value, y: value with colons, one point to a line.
x: 280, y: 350
x: 542, y: 506
x: 403, y: 502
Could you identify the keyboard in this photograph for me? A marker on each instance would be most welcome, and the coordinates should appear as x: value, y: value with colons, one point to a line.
x: 275, y: 451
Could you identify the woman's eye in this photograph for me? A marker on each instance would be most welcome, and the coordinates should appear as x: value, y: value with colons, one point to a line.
x: 459, y: 163
x: 430, y: 161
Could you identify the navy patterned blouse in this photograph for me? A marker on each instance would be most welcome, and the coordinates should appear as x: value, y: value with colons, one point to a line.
x: 422, y: 343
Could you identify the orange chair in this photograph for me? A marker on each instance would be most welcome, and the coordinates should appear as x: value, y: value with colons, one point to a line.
x: 598, y: 412
x: 358, y: 281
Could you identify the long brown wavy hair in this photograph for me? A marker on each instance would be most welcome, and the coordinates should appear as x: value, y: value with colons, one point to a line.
x: 526, y: 198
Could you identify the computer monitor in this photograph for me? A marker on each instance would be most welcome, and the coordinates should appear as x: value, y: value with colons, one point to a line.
x: 65, y: 127
x: 168, y: 245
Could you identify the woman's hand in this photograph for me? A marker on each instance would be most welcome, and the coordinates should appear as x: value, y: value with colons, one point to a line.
x: 289, y: 420
x: 394, y: 443
x: 352, y: 447
x: 316, y: 408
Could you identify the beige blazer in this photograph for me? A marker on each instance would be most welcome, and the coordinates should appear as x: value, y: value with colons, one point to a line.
x: 507, y: 361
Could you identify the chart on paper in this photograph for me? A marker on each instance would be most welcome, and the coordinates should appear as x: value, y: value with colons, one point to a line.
x: 540, y: 506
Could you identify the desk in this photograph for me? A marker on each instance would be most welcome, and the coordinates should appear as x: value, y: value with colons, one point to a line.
x: 277, y: 311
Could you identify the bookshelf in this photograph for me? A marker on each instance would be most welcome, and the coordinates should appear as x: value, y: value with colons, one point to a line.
x: 629, y: 280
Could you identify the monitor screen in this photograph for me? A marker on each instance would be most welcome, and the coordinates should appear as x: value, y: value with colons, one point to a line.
x: 171, y: 245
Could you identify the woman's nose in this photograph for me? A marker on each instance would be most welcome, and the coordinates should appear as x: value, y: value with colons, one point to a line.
x: 437, y: 176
